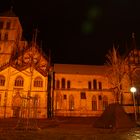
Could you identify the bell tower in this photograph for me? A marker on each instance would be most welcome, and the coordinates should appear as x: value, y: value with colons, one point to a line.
x: 10, y: 35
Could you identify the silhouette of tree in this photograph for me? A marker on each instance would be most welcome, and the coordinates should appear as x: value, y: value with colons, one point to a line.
x: 116, y: 72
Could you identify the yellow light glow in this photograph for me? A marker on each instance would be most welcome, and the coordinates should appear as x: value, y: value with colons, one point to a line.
x: 133, y: 89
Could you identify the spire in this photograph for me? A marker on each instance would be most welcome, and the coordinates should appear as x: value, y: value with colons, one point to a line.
x: 35, y: 34
x: 133, y: 35
x: 49, y: 58
x: 11, y: 9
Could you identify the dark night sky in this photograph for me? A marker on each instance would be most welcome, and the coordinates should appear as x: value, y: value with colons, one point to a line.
x: 78, y: 31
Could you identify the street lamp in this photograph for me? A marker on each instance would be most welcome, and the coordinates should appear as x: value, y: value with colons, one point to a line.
x: 133, y: 90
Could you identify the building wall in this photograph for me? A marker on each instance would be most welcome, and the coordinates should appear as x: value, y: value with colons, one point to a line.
x: 76, y: 100
x: 9, y: 91
x: 81, y: 94
x: 14, y: 28
x: 10, y: 37
x: 84, y: 106
x: 79, y: 85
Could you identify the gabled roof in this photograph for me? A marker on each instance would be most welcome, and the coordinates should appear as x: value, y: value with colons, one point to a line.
x: 4, y: 66
x: 8, y: 13
x: 80, y: 69
x: 23, y: 67
x: 44, y: 73
x: 30, y: 46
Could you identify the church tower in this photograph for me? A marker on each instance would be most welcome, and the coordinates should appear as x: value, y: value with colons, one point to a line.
x: 10, y: 35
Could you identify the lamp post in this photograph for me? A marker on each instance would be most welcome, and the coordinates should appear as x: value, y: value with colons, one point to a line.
x: 133, y: 90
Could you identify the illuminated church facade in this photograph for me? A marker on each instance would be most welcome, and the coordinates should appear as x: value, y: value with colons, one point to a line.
x: 31, y: 87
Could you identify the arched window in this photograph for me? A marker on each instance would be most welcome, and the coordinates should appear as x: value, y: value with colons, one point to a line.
x: 89, y: 84
x: 100, y: 85
x: 16, y: 105
x: 94, y: 103
x: 105, y: 102
x: 38, y: 82
x: 58, y: 101
x: 2, y: 80
x: 95, y: 84
x: 17, y: 100
x: 68, y: 84
x: 57, y: 84
x: 8, y: 25
x: 71, y: 102
x: 1, y: 24
x: 6, y: 36
x: 19, y: 81
x: 63, y: 83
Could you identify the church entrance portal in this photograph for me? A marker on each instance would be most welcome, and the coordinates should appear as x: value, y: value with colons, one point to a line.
x: 16, y: 105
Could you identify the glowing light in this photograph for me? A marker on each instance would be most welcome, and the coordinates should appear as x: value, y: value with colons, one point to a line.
x: 133, y: 89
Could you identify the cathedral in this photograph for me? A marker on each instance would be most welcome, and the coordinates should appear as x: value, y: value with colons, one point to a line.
x: 30, y: 87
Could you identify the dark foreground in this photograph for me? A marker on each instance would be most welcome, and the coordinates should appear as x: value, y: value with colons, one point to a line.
x: 62, y: 129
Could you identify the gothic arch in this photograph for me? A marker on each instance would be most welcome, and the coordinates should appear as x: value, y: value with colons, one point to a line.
x: 71, y: 102
x: 2, y: 80
x: 63, y: 83
x: 58, y: 101
x: 105, y: 102
x: 38, y: 82
x: 16, y: 104
x: 94, y: 103
x: 19, y: 81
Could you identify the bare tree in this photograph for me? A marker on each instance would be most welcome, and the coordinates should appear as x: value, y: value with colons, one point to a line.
x: 116, y: 72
